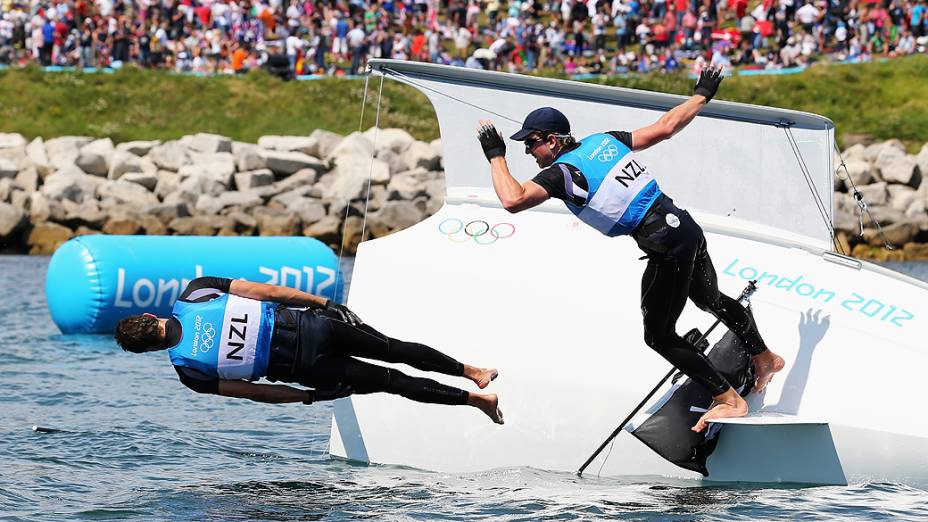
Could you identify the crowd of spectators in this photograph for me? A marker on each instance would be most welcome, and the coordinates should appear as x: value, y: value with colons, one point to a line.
x: 570, y: 36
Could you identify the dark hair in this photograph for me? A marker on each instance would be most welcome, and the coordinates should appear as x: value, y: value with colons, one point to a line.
x: 137, y: 333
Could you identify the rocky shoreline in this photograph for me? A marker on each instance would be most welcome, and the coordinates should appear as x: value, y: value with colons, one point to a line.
x: 205, y: 184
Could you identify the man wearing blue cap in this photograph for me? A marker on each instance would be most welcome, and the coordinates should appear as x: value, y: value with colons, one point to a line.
x: 608, y: 187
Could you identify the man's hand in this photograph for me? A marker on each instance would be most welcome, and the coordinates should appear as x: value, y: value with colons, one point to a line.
x: 708, y: 84
x: 491, y: 140
x: 346, y: 315
x: 329, y: 394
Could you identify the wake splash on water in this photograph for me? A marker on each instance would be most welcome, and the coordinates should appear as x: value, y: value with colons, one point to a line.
x: 138, y: 445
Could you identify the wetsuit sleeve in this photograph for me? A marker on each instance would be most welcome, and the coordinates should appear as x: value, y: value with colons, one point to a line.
x: 552, y: 180
x: 205, y: 288
x: 624, y: 136
x: 197, y: 381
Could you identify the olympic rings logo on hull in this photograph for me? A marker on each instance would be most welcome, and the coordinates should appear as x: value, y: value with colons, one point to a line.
x: 480, y: 231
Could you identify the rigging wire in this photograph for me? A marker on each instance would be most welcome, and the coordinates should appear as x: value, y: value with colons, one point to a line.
x: 410, y: 81
x: 817, y: 198
x: 370, y: 174
x: 341, y: 245
x: 862, y: 205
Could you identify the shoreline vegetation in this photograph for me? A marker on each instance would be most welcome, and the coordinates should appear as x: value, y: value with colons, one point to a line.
x: 239, y: 156
x: 881, y: 100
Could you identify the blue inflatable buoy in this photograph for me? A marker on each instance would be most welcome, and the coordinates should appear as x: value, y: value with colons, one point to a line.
x: 94, y: 281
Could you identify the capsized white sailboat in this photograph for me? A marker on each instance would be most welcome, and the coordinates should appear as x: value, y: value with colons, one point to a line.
x: 554, y: 305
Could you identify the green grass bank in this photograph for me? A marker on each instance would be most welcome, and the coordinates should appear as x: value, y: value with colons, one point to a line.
x: 884, y: 100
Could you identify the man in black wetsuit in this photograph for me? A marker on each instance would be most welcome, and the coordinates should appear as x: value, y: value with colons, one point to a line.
x: 607, y: 186
x: 224, y: 334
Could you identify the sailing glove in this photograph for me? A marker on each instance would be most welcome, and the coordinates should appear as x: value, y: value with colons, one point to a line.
x: 330, y: 394
x: 708, y: 84
x: 342, y: 311
x: 491, y: 141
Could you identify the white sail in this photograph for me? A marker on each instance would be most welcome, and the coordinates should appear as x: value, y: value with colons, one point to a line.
x: 554, y: 304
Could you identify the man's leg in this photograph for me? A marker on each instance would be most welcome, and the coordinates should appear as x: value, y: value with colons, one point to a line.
x: 664, y: 289
x: 363, y: 377
x: 704, y: 291
x: 365, y: 341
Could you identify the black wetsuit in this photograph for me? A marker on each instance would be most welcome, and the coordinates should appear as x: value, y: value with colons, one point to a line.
x: 316, y: 349
x: 678, y: 267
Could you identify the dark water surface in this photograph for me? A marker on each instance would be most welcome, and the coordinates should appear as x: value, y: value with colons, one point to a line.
x: 138, y: 445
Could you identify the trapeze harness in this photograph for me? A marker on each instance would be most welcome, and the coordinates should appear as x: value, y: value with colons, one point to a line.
x: 624, y: 199
x: 226, y: 338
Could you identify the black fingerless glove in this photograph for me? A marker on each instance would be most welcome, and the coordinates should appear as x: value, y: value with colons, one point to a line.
x: 708, y: 84
x: 337, y: 392
x: 343, y: 312
x: 491, y: 141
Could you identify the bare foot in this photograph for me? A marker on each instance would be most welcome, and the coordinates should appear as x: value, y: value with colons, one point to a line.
x: 480, y: 376
x: 765, y: 365
x: 487, y: 403
x: 724, y: 406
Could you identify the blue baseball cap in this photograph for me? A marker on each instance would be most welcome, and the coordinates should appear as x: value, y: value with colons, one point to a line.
x: 545, y: 119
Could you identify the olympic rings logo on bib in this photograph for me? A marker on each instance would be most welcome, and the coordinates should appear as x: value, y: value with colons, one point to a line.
x: 607, y: 154
x: 206, y: 338
x: 480, y: 231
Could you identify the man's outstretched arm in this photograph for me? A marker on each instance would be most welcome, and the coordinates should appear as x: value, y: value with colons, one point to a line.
x: 514, y: 196
x: 278, y: 294
x: 674, y: 120
x: 278, y: 393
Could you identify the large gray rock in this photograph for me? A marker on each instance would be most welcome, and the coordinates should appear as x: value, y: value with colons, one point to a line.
x: 6, y: 189
x: 872, y: 152
x: 408, y: 185
x: 207, y: 205
x: 27, y: 180
x: 855, y: 152
x: 897, y: 234
x: 355, y: 145
x: 918, y: 209
x: 859, y: 172
x: 884, y: 216
x: 420, y: 154
x: 71, y: 183
x: 149, y: 181
x: 349, y: 178
x: 901, y: 196
x: 888, y: 152
x: 196, y: 225
x: 286, y: 163
x: 324, y: 143
x: 8, y: 168
x: 327, y: 230
x: 393, y: 160
x: 303, y: 144
x: 11, y: 220
x: 205, y: 142
x: 875, y: 194
x: 128, y: 193
x: 921, y: 159
x: 20, y: 199
x: 45, y: 238
x: 284, y: 199
x: 87, y: 214
x: 439, y: 151
x: 247, y: 157
x: 254, y: 179
x: 123, y: 162
x: 9, y: 140
x: 395, y: 140
x: 310, y: 210
x: 138, y: 147
x: 94, y: 158
x: 35, y: 151
x: 167, y: 182
x: 217, y: 172
x: 395, y: 215
x: 275, y: 222
x: 63, y: 151
x: 170, y: 155
x: 902, y: 170
x: 165, y: 212
x: 241, y: 200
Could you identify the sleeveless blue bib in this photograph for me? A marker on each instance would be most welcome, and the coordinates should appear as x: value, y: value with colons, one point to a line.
x: 226, y: 338
x: 621, y: 190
